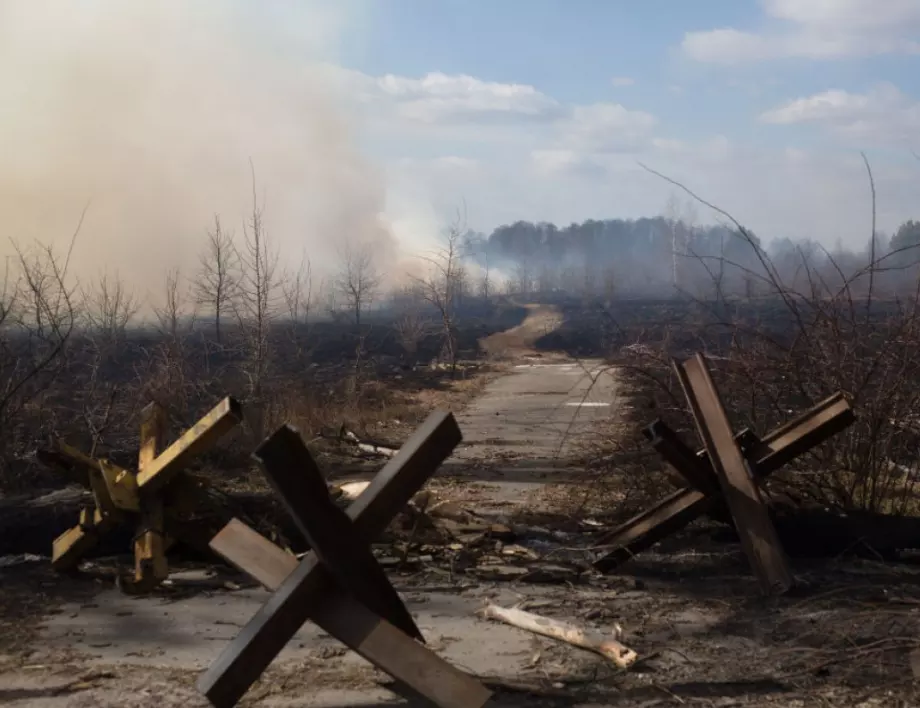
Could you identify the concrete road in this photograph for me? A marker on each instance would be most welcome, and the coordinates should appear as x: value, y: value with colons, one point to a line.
x: 150, y: 650
x: 529, y: 426
x: 539, y: 411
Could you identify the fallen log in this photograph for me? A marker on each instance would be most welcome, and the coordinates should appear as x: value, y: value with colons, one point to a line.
x: 608, y: 647
x: 375, y: 448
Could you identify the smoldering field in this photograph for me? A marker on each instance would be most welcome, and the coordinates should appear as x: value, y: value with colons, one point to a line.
x: 139, y: 122
x: 147, y: 115
x: 126, y: 129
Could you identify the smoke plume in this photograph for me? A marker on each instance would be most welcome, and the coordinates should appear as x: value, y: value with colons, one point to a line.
x: 150, y: 112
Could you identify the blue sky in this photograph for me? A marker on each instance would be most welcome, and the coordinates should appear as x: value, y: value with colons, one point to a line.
x: 719, y: 78
x: 377, y: 119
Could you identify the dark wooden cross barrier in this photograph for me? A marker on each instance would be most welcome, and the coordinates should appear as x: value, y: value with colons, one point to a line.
x: 153, y: 498
x: 705, y: 494
x: 338, y: 584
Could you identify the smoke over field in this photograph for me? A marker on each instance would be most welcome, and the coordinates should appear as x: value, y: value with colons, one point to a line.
x: 149, y: 112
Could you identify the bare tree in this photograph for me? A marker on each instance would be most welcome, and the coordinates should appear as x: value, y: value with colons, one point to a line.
x: 486, y: 290
x: 461, y: 285
x: 37, y: 319
x: 171, y: 313
x: 440, y: 287
x: 569, y: 279
x: 547, y: 279
x: 523, y: 278
x: 109, y: 308
x: 297, y: 288
x: 218, y: 275
x: 609, y: 281
x: 357, y: 280
x: 589, y: 280
x: 256, y: 304
x: 411, y: 325
x: 672, y: 219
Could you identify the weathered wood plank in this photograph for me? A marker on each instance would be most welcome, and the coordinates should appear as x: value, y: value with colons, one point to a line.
x: 418, y: 671
x: 293, y: 474
x: 758, y: 536
x: 247, y: 656
x: 781, y: 446
x: 150, y: 565
x: 651, y: 526
x: 199, y: 438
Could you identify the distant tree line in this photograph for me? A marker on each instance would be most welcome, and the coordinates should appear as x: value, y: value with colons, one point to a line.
x: 669, y: 256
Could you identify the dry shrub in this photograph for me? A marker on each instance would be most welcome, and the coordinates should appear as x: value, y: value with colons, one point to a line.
x: 849, y: 327
x: 37, y: 320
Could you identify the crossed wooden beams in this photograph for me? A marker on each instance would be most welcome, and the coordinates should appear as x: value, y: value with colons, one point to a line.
x: 154, y: 497
x: 723, y: 477
x: 338, y: 584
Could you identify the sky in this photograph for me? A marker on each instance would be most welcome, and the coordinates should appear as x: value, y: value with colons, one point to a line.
x: 543, y: 110
x: 383, y: 120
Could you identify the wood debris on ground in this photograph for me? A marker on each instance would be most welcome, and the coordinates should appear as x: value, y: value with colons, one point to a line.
x: 607, y: 646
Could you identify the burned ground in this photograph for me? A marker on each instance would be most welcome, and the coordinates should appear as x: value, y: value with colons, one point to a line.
x: 514, y: 524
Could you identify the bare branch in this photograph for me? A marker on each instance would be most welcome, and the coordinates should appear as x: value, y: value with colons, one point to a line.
x: 358, y: 280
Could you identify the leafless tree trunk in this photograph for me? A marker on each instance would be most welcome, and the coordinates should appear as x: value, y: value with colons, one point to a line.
x: 411, y: 326
x: 109, y: 307
x: 170, y: 314
x: 485, y: 281
x: 440, y: 288
x: 523, y: 277
x: 37, y: 320
x: 218, y: 275
x: 297, y: 288
x: 589, y: 282
x: 256, y: 305
x: 672, y: 219
x: 609, y: 282
x: 358, y: 280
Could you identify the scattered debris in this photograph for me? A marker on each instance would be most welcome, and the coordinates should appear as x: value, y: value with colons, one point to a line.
x: 10, y: 561
x: 366, y: 446
x: 607, y: 646
x: 351, y: 490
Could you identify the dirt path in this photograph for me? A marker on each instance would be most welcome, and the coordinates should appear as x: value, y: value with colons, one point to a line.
x: 518, y: 342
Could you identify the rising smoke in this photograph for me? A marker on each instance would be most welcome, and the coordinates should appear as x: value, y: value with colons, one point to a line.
x: 150, y: 111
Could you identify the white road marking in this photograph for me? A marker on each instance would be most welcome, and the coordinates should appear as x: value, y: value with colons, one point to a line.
x: 587, y: 404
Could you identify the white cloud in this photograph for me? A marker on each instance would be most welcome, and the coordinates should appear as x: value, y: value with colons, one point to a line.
x: 725, y: 45
x: 847, y: 14
x: 567, y: 163
x: 606, y: 127
x: 814, y: 29
x: 440, y: 97
x: 580, y: 161
x: 454, y: 162
x: 623, y: 81
x: 447, y: 109
x: 882, y: 115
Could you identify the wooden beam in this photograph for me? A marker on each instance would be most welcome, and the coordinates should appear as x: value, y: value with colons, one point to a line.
x: 68, y: 549
x: 150, y: 565
x: 782, y: 445
x: 651, y: 526
x: 752, y: 520
x: 200, y: 438
x: 694, y: 468
x: 419, y: 671
x: 247, y: 656
x: 292, y: 472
